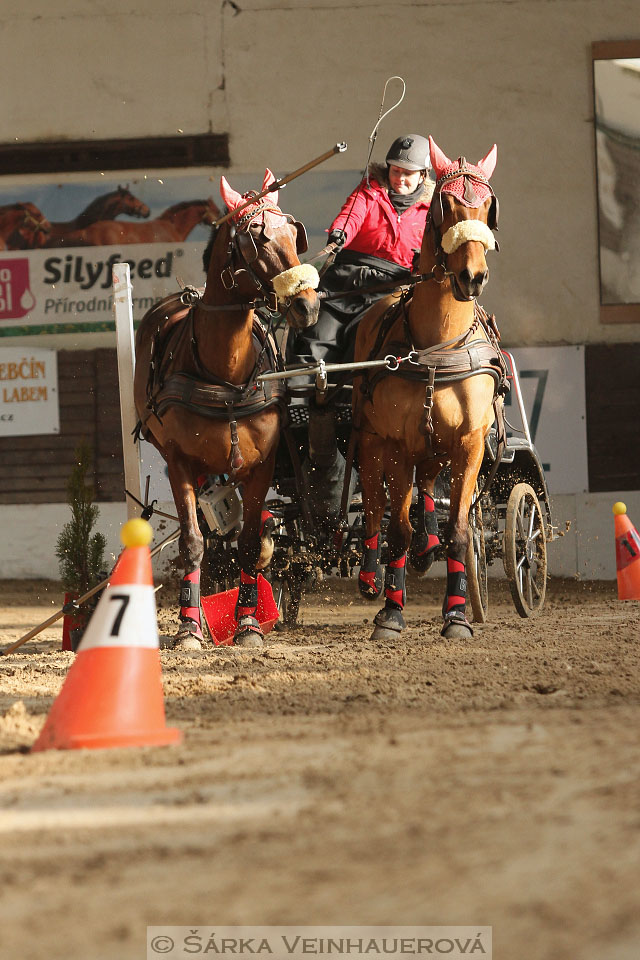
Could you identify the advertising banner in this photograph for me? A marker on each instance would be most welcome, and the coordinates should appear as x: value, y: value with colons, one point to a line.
x: 59, y: 241
x: 28, y: 392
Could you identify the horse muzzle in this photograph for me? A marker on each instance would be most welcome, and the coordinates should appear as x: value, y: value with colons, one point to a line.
x: 466, y: 286
x: 303, y: 311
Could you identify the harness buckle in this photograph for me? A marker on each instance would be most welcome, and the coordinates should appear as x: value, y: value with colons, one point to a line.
x: 271, y: 302
x: 189, y: 296
x: 228, y: 279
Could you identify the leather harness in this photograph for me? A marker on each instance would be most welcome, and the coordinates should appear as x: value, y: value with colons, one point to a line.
x: 457, y: 359
x: 202, y: 392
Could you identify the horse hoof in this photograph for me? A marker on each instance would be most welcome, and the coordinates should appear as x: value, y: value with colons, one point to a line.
x: 384, y: 634
x: 249, y: 640
x: 457, y: 629
x: 389, y: 624
x: 187, y: 644
x: 189, y: 637
x: 248, y: 633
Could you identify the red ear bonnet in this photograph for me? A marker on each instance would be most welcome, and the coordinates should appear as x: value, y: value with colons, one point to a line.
x: 439, y: 160
x: 470, y: 192
x: 488, y: 164
x: 231, y: 198
x: 270, y: 178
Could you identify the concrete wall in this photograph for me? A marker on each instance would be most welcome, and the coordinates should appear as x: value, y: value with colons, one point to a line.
x: 586, y: 551
x: 287, y: 79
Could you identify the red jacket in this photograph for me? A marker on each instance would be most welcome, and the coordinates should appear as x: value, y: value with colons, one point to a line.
x: 373, y: 226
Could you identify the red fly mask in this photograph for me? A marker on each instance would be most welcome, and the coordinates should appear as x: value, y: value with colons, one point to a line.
x: 266, y: 215
x: 469, y: 184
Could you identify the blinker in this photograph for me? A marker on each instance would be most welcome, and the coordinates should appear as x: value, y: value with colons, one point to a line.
x: 302, y: 244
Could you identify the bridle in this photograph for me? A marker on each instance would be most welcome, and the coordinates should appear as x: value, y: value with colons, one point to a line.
x: 435, y: 216
x: 29, y: 227
x: 242, y: 254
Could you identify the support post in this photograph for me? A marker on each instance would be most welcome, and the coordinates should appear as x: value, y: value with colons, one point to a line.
x: 123, y: 312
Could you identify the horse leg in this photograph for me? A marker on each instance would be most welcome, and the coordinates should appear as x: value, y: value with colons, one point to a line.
x: 398, y: 469
x: 374, y: 500
x: 255, y: 547
x: 425, y: 540
x: 465, y: 465
x: 191, y: 547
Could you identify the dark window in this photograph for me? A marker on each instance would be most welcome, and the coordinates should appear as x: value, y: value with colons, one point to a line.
x: 70, y: 156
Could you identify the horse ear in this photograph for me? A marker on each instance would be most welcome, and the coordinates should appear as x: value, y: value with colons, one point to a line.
x: 270, y: 178
x: 230, y: 197
x: 488, y: 164
x: 439, y: 160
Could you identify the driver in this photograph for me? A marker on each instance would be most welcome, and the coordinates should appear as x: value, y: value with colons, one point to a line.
x: 377, y: 232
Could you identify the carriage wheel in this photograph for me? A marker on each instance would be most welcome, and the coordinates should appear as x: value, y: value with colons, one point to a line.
x: 525, y: 551
x: 476, y: 564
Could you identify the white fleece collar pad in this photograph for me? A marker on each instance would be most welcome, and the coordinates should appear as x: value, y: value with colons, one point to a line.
x: 466, y: 230
x: 290, y: 282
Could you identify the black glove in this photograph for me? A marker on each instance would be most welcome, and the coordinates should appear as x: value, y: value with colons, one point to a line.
x: 338, y: 237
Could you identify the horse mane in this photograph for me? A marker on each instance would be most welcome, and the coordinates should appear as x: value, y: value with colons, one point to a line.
x: 182, y: 205
x: 213, y: 236
x: 98, y: 202
x: 10, y: 207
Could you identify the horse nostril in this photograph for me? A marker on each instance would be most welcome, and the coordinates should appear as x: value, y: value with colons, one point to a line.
x: 305, y: 311
x: 466, y: 277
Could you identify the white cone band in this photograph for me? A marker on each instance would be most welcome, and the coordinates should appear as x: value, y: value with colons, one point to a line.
x: 293, y: 281
x: 125, y: 617
x: 466, y: 230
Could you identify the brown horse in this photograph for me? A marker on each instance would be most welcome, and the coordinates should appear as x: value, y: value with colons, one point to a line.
x: 22, y: 227
x: 438, y: 408
x: 172, y: 226
x: 106, y: 207
x: 195, y: 385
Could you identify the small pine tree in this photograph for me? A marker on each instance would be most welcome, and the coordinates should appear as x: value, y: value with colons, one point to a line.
x: 80, y: 554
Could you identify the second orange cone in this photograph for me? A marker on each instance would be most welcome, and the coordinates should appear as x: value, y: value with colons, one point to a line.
x: 627, y: 554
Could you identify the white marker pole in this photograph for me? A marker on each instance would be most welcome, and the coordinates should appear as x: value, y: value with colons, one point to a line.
x: 123, y: 311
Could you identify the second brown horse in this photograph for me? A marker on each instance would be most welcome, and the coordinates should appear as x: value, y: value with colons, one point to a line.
x: 440, y: 404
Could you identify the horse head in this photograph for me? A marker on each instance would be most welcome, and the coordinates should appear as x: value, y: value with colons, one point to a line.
x: 463, y: 214
x: 260, y: 247
x: 130, y: 205
x: 31, y: 230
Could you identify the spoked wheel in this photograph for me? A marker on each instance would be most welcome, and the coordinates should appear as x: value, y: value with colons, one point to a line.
x: 476, y: 564
x: 525, y: 551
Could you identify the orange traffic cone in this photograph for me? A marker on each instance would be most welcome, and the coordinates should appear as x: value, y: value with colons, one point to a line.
x: 627, y: 554
x: 112, y: 695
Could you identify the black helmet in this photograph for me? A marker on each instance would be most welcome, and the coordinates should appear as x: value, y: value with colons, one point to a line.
x: 410, y: 152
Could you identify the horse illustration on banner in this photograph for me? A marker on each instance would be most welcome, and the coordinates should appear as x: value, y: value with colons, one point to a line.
x: 22, y: 227
x: 173, y: 225
x: 120, y: 202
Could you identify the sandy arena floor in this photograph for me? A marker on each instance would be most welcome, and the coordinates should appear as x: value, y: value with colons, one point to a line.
x: 326, y: 780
